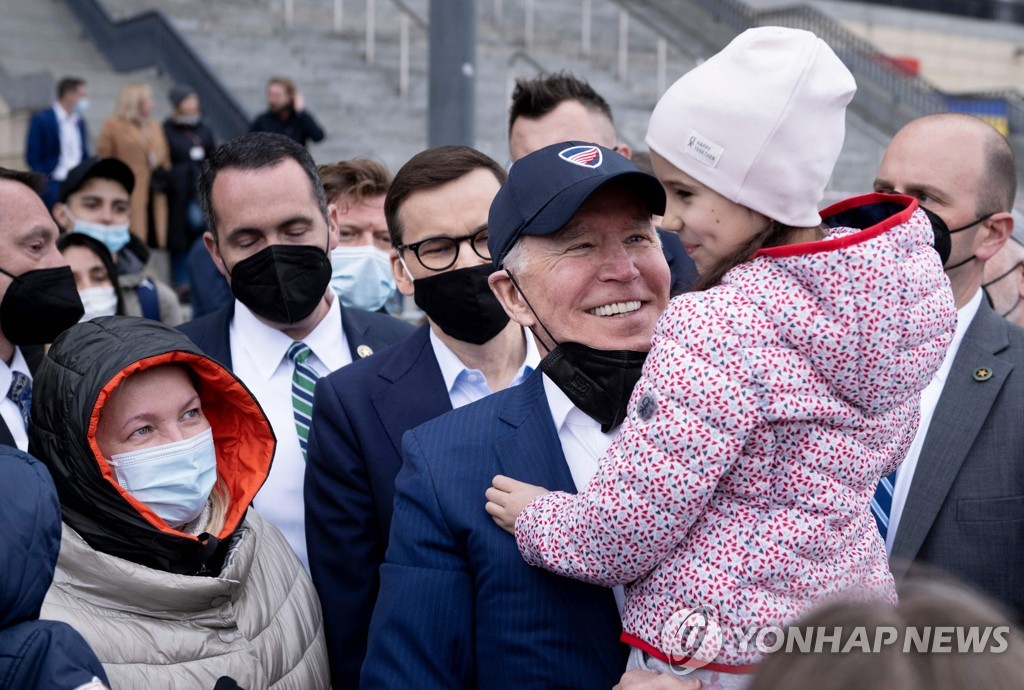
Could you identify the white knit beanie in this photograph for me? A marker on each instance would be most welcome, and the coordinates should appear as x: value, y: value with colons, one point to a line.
x: 761, y: 123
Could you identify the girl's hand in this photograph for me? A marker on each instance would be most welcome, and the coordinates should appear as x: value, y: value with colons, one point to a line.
x: 506, y: 499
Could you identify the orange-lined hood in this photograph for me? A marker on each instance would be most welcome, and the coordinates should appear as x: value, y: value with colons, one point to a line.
x: 84, y: 366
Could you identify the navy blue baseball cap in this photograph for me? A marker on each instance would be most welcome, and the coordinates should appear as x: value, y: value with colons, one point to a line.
x: 546, y: 188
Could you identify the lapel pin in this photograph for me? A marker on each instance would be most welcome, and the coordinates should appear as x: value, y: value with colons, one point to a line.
x: 982, y: 374
x: 365, y: 351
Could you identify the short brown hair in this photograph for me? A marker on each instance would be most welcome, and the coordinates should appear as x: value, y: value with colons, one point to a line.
x: 68, y: 84
x: 355, y: 180
x: 433, y: 168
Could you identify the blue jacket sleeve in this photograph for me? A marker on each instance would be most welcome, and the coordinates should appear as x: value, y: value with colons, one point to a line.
x: 35, y: 145
x: 47, y: 654
x: 421, y: 634
x: 342, y: 535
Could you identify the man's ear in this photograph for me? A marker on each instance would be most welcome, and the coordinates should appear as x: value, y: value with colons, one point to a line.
x: 333, y: 225
x: 61, y: 216
x: 511, y: 299
x: 624, y: 150
x: 210, y: 241
x: 402, y: 278
x: 996, y: 230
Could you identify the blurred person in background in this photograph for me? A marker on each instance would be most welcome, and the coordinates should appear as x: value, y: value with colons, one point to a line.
x: 57, y: 138
x: 133, y: 137
x: 190, y: 142
x: 95, y: 274
x: 286, y: 113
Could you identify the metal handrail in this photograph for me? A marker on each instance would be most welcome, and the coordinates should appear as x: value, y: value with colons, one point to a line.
x: 150, y: 39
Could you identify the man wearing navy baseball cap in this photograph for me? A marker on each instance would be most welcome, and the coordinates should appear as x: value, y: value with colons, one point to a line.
x: 578, y: 262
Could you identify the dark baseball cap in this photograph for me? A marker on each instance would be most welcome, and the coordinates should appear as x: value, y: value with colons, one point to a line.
x: 546, y: 188
x: 103, y: 168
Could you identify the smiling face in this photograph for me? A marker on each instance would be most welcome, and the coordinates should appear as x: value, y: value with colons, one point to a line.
x: 710, y: 226
x: 151, y: 408
x: 601, y: 281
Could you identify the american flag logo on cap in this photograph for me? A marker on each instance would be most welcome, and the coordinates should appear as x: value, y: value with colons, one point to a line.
x: 586, y: 156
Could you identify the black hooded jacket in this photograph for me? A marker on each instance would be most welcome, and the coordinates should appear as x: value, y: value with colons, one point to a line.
x: 83, y: 367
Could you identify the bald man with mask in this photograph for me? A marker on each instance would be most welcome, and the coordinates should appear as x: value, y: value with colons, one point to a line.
x: 957, y: 501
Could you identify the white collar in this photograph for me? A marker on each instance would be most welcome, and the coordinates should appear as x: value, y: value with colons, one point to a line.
x: 564, y: 412
x: 267, y: 346
x: 18, y: 363
x: 964, y: 316
x: 451, y: 366
x: 62, y: 115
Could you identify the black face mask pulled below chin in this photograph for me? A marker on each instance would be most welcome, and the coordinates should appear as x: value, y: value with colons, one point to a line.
x: 282, y: 283
x: 39, y: 305
x: 598, y: 382
x: 461, y: 303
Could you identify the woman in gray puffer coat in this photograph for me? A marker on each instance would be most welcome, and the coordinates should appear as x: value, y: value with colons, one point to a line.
x: 157, y: 452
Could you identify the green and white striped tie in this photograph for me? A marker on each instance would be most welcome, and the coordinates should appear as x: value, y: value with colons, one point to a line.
x: 304, y: 379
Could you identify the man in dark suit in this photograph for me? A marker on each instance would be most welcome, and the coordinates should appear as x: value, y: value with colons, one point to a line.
x: 957, y: 502
x: 57, y: 140
x: 581, y: 266
x: 467, y: 349
x: 270, y: 234
x: 550, y: 108
x: 38, y: 297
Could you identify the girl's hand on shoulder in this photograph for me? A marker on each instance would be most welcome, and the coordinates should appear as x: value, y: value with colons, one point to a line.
x: 507, y: 498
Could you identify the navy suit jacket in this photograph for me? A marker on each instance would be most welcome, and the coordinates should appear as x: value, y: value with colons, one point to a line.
x: 42, y: 147
x: 965, y: 510
x: 362, y: 328
x: 360, y: 413
x: 458, y: 606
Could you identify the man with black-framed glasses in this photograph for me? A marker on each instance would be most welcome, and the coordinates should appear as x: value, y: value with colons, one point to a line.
x: 436, y: 211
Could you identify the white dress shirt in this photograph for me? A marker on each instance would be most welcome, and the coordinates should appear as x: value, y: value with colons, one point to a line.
x: 9, y: 410
x: 70, y: 142
x: 259, y: 358
x: 929, y: 399
x: 583, y: 444
x: 469, y: 385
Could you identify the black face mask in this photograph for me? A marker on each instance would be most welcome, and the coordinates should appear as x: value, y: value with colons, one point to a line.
x: 985, y: 286
x: 598, y: 382
x: 282, y: 283
x: 40, y: 305
x: 943, y: 242
x: 461, y: 304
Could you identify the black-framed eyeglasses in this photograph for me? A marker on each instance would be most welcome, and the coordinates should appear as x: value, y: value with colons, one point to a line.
x: 440, y: 253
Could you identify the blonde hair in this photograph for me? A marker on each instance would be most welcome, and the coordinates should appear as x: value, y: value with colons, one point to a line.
x: 220, y: 503
x: 130, y: 100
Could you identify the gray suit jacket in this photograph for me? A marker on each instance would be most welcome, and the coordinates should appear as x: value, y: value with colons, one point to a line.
x: 965, y: 510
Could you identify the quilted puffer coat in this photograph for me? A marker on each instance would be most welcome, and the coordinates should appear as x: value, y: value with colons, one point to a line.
x: 769, y: 407
x: 162, y: 608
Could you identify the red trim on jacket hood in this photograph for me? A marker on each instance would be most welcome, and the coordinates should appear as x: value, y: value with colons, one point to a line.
x: 244, y: 440
x: 828, y: 245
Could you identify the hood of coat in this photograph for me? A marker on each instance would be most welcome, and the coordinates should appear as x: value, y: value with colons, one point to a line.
x: 869, y: 306
x: 81, y: 370
x: 30, y: 538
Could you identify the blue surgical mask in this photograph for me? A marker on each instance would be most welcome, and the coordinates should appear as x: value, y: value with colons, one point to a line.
x: 361, y: 277
x: 114, y: 237
x: 174, y: 480
x: 82, y: 106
